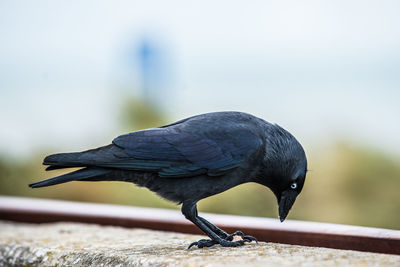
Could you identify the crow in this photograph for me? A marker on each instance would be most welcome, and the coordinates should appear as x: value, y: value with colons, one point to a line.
x: 195, y: 158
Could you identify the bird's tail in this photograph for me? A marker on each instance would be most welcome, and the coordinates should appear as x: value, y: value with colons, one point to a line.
x: 87, y: 160
x: 79, y: 175
x: 63, y: 160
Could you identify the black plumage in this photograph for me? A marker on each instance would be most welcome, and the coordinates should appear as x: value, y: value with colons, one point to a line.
x: 195, y: 158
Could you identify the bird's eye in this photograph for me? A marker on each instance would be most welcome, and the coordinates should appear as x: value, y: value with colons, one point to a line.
x: 293, y: 186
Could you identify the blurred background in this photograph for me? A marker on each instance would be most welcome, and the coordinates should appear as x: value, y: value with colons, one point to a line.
x: 76, y: 74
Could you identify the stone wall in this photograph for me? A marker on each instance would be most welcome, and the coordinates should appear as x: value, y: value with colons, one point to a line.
x: 71, y: 244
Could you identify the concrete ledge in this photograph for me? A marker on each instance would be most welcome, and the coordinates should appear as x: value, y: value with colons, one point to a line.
x: 73, y: 244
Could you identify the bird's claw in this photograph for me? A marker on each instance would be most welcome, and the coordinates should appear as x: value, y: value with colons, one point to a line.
x: 203, y: 243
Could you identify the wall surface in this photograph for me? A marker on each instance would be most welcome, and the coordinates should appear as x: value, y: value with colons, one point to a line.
x: 71, y: 244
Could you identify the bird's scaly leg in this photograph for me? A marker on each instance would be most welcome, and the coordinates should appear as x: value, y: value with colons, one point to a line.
x: 214, y: 228
x: 217, y: 235
x: 189, y: 209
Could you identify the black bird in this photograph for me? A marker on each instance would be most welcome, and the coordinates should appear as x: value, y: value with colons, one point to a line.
x: 195, y: 158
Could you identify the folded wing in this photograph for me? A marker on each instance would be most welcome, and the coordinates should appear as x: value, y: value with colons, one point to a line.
x: 174, y: 152
x: 177, y: 150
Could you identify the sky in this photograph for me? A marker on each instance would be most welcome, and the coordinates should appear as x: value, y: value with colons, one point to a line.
x: 324, y: 70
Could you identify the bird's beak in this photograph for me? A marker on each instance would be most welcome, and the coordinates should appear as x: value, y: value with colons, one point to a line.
x: 286, y: 202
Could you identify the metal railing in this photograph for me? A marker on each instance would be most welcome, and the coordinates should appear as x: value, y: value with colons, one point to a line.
x: 313, y: 234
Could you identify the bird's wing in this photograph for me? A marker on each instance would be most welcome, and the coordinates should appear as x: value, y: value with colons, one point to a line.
x: 178, y: 151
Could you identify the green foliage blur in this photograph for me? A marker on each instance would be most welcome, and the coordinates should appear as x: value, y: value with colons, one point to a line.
x: 347, y: 184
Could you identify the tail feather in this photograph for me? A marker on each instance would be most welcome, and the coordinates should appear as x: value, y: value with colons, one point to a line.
x: 63, y: 160
x: 82, y: 174
x: 86, y: 158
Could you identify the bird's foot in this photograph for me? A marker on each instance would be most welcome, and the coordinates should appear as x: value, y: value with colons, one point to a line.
x: 233, y: 240
x: 239, y: 235
x: 209, y: 243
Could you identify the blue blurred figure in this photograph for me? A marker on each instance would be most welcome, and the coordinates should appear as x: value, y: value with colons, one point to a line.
x: 153, y: 67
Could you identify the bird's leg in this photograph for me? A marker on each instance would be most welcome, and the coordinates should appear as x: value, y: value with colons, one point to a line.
x: 225, y: 235
x: 189, y: 209
x: 214, y: 228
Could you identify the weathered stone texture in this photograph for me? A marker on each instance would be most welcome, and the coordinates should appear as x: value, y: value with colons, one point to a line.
x: 71, y: 244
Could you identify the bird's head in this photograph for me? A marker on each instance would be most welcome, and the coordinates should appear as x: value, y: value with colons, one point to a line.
x: 287, y: 195
x: 284, y: 168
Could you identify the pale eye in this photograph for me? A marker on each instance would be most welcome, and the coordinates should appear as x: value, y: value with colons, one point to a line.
x: 293, y: 186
